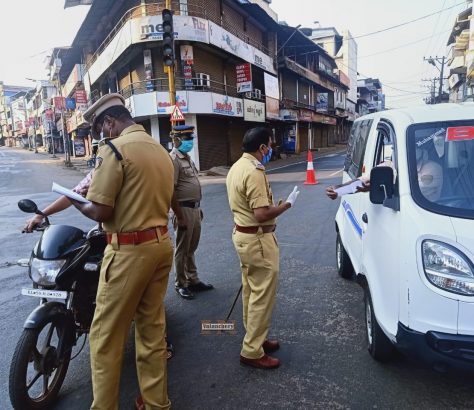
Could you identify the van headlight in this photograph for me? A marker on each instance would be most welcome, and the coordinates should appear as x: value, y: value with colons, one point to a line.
x: 448, y: 268
x: 44, y: 272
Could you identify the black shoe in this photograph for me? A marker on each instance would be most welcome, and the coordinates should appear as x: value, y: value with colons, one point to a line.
x: 185, y: 293
x: 200, y: 286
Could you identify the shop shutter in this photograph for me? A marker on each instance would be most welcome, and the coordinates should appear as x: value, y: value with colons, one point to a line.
x: 213, y: 141
x: 303, y: 136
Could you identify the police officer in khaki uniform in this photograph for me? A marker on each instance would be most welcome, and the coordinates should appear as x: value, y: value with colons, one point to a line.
x: 131, y: 195
x: 188, y: 214
x: 251, y: 202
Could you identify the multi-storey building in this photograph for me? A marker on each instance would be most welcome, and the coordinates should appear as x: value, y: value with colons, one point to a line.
x: 225, y: 55
x: 370, y: 97
x: 12, y: 113
x: 460, y: 59
x: 343, y: 48
x: 312, y: 93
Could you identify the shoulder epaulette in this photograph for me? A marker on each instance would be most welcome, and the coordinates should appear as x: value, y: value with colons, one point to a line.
x: 259, y: 165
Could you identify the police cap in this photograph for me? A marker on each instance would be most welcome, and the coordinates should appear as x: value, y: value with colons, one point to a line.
x: 102, y: 104
x: 183, y: 131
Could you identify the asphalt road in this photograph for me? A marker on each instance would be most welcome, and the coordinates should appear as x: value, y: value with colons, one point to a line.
x: 318, y: 318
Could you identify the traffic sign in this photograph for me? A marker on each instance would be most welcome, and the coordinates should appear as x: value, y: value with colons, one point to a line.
x: 176, y: 115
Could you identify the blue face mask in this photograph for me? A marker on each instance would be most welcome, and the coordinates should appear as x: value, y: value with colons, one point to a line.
x: 266, y: 158
x: 186, y: 146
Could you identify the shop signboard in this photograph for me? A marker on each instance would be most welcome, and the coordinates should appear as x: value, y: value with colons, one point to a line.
x: 271, y: 86
x: 225, y: 105
x: 148, y: 64
x: 289, y: 115
x: 272, y: 106
x: 187, y: 54
x: 70, y: 104
x: 234, y: 45
x: 163, y: 105
x: 244, y: 77
x: 305, y: 115
x: 254, y: 111
x: 188, y: 77
x: 150, y: 28
x: 79, y: 147
x: 324, y: 119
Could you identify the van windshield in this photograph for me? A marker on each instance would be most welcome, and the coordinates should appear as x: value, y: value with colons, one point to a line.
x: 441, y: 167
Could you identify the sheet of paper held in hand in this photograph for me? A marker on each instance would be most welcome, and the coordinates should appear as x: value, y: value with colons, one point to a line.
x: 349, y: 189
x: 69, y: 193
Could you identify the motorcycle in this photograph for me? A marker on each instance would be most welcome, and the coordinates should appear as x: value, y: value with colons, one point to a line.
x: 64, y: 267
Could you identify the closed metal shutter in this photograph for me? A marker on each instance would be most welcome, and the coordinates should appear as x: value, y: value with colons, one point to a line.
x: 213, y: 141
x: 303, y: 136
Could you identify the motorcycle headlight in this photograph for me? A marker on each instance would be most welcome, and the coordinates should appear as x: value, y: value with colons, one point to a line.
x: 44, y: 272
x: 448, y: 268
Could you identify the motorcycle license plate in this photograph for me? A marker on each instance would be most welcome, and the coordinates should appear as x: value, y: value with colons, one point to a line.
x: 44, y: 293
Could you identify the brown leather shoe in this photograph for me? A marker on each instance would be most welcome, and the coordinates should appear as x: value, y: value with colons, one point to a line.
x: 265, y: 362
x: 139, y: 405
x: 270, y: 346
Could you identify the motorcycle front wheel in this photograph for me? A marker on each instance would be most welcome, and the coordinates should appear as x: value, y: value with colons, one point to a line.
x: 38, y: 369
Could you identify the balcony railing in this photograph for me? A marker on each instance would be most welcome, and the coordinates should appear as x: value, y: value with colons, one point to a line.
x: 188, y: 8
x: 181, y: 84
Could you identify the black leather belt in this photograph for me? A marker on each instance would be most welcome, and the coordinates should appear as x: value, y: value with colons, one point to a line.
x: 189, y: 204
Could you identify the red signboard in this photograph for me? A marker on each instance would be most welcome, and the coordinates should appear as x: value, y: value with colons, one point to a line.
x: 60, y: 103
x: 244, y: 77
x: 81, y: 97
x: 460, y: 133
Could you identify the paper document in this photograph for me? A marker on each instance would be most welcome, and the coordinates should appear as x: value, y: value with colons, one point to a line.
x: 349, y: 189
x: 68, y: 192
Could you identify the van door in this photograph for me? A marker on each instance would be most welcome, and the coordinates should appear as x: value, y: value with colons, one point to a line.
x: 350, y: 224
x: 381, y: 243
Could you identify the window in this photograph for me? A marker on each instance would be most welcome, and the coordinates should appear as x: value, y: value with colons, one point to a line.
x: 356, y: 148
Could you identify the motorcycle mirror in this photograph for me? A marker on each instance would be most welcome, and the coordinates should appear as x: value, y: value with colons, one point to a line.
x: 27, y: 205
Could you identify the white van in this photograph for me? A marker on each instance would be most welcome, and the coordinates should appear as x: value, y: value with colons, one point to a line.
x: 410, y: 240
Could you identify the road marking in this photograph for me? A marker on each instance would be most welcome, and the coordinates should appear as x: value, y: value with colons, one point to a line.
x: 302, y: 162
x: 337, y: 172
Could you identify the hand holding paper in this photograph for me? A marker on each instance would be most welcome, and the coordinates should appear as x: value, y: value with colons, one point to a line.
x: 68, y: 193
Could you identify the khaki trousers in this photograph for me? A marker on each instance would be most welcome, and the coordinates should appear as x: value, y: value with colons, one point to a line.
x: 133, y: 281
x: 260, y: 263
x: 187, y: 241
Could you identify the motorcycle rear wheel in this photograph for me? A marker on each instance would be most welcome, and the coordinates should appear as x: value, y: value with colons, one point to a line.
x: 36, y: 371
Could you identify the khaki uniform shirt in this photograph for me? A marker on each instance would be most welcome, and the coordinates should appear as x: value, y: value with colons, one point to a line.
x: 186, y: 182
x: 139, y: 187
x: 247, y: 189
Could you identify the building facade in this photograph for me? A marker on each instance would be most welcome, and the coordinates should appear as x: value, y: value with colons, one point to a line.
x: 460, y: 59
x: 370, y: 96
x: 224, y: 55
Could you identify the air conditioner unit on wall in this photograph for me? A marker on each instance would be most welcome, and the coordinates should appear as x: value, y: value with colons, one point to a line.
x: 203, y: 80
x: 257, y: 93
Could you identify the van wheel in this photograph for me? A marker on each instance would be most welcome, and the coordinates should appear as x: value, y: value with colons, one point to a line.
x: 379, y: 345
x: 344, y: 264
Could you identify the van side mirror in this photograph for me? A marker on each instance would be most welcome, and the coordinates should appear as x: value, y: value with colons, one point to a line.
x: 381, y: 184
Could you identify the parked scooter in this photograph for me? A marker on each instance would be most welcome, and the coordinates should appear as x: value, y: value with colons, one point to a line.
x: 64, y: 268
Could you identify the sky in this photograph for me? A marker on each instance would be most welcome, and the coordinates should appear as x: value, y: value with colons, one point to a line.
x: 29, y: 29
x: 402, y: 68
x: 25, y: 42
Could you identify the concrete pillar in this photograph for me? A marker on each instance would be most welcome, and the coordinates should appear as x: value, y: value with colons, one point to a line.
x: 155, y: 128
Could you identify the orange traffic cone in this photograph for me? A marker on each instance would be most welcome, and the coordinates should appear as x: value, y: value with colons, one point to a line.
x: 310, y: 174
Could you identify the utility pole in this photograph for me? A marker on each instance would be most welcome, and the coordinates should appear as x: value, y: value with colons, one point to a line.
x: 441, y: 61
